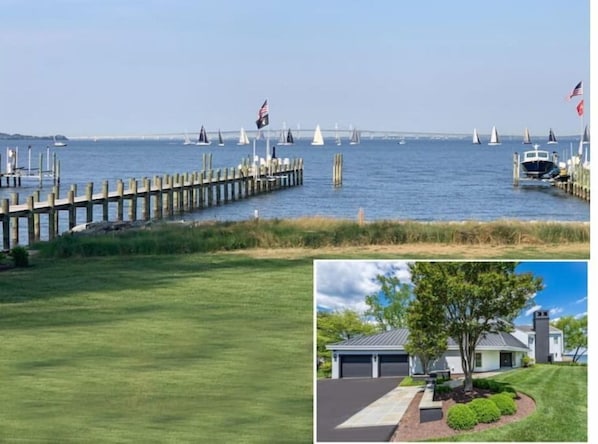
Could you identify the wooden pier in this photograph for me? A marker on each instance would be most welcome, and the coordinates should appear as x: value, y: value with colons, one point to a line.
x: 574, y: 180
x: 15, y: 174
x: 159, y: 198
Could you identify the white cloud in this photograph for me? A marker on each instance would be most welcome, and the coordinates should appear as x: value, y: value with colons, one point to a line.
x: 555, y: 311
x: 344, y: 284
x: 579, y: 301
x: 531, y: 310
x: 581, y: 315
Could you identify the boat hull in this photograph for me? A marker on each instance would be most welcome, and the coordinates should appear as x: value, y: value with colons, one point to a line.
x: 537, y: 168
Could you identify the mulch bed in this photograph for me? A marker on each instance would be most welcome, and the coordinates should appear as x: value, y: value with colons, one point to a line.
x: 410, y: 429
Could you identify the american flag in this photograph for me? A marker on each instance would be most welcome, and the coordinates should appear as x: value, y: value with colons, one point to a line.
x: 577, y: 91
x: 580, y: 109
x: 262, y: 116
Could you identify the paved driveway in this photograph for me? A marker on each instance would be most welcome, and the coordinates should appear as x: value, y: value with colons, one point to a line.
x: 339, y: 399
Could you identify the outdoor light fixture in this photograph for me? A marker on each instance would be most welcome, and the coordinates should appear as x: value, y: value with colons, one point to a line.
x: 375, y: 358
x: 334, y: 355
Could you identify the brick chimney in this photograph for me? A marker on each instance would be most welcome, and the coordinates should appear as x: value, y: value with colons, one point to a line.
x: 541, y: 327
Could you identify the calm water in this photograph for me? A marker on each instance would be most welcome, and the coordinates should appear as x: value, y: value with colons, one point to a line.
x: 422, y: 180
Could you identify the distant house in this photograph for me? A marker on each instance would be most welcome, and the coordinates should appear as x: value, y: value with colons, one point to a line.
x: 384, y: 354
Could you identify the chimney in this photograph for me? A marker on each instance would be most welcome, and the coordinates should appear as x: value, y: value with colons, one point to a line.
x: 541, y: 327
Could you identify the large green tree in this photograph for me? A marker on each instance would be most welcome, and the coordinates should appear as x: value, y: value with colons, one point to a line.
x: 388, y: 305
x: 338, y: 326
x: 575, y: 332
x: 470, y: 299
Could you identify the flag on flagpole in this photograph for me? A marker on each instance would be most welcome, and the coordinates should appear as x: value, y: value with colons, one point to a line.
x: 580, y: 109
x: 577, y: 91
x: 262, y: 116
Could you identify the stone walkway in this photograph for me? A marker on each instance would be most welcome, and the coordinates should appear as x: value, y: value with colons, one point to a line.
x: 387, y: 410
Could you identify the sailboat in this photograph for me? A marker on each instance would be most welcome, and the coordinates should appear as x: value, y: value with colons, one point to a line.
x: 494, y: 140
x: 220, y: 140
x: 290, y: 140
x: 586, y: 136
x: 58, y: 144
x: 187, y: 140
x: 243, y: 139
x: 318, y: 139
x: 337, y: 138
x: 355, y: 138
x: 526, y: 138
x: 203, y: 137
x: 551, y: 137
x: 476, y: 137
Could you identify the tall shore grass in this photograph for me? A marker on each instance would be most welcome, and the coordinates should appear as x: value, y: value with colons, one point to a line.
x: 176, y: 238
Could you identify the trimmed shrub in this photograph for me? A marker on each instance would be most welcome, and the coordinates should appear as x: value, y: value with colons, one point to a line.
x: 505, y: 403
x: 526, y: 361
x: 442, y: 388
x: 510, y: 392
x: 20, y: 256
x: 485, y: 410
x: 481, y: 383
x: 461, y: 417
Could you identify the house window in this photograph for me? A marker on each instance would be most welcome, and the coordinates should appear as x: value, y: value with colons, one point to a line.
x: 530, y: 341
x: 478, y: 359
x: 556, y: 339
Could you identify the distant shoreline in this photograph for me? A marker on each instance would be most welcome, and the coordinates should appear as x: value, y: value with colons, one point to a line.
x: 5, y: 136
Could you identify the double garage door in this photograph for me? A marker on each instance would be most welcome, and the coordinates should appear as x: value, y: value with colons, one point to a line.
x: 360, y: 366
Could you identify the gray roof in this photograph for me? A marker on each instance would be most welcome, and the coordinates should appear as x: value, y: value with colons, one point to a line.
x: 529, y: 328
x: 398, y: 338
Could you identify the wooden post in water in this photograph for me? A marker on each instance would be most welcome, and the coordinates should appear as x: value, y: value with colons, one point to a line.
x: 120, y: 190
x: 158, y: 203
x: 145, y: 208
x: 89, y: 203
x: 5, y: 225
x: 133, y: 200
x: 516, y: 169
x: 105, y: 215
x: 30, y: 220
x: 14, y: 225
x: 36, y: 218
x: 72, y: 209
x: 337, y: 170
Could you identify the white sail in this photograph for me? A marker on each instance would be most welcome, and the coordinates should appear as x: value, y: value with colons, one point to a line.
x: 318, y: 139
x: 494, y: 140
x: 220, y: 139
x: 243, y: 139
x: 527, y: 140
x: 476, y: 138
x: 187, y: 140
x: 355, y: 138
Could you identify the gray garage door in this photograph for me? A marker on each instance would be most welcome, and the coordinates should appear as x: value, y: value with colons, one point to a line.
x: 393, y: 365
x: 356, y: 366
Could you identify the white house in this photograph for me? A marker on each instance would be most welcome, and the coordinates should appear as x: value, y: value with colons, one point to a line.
x: 384, y: 354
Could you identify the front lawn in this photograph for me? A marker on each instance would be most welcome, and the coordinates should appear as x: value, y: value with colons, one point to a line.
x: 561, y: 394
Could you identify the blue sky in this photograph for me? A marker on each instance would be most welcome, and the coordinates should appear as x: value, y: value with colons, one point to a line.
x: 344, y: 284
x: 111, y: 67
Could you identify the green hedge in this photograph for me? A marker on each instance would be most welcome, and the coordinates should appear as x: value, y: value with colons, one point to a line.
x: 485, y: 410
x: 505, y: 403
x: 461, y: 417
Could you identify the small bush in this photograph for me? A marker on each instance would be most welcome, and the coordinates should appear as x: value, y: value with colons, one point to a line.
x: 20, y: 256
x: 461, y: 417
x: 505, y: 403
x: 481, y: 383
x: 526, y: 361
x: 485, y: 410
x: 442, y: 388
x: 511, y: 393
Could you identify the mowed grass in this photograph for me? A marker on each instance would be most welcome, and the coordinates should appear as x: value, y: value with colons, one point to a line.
x: 561, y: 395
x: 179, y: 348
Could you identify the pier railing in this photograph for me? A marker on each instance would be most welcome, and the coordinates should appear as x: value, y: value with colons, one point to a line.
x: 158, y: 198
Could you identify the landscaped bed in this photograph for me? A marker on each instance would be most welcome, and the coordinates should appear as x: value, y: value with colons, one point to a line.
x: 410, y: 429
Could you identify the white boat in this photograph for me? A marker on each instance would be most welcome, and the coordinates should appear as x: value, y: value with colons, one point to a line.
x: 494, y: 140
x: 476, y: 137
x: 337, y: 138
x: 187, y: 140
x: 58, y: 144
x: 220, y: 139
x: 355, y: 137
x: 318, y: 139
x: 243, y: 139
x: 402, y: 142
x: 527, y: 140
x: 203, y: 137
x: 551, y: 137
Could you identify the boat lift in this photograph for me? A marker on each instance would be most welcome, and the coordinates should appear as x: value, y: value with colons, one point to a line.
x: 19, y: 173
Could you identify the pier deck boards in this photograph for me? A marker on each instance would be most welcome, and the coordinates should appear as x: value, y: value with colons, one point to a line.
x: 171, y: 194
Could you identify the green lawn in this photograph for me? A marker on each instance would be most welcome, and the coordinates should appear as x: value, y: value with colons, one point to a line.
x: 182, y: 348
x: 561, y: 395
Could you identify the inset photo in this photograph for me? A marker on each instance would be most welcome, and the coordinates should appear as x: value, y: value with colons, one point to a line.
x: 422, y: 350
